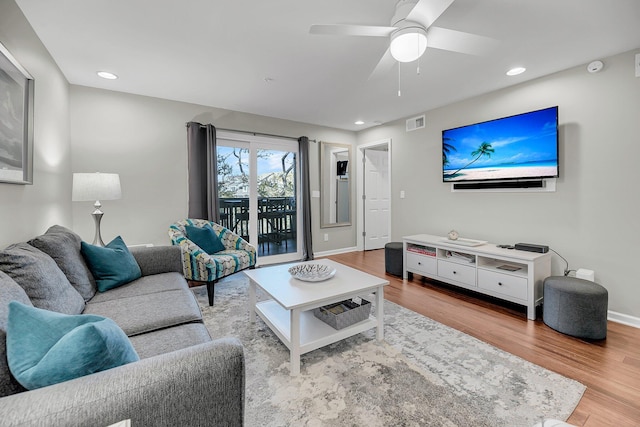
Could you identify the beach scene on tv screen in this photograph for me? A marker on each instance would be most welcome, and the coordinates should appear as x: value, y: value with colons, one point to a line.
x: 522, y: 146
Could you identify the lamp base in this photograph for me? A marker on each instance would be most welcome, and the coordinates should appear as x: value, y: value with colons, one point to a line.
x: 97, y: 217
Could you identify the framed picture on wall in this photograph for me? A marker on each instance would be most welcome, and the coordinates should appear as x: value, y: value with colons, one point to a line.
x: 16, y: 121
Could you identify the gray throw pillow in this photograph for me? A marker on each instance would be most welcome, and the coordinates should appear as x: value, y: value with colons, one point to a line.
x: 63, y: 245
x: 42, y: 280
x: 9, y: 291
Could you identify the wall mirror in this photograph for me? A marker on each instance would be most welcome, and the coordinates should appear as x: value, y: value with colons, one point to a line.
x: 335, y: 185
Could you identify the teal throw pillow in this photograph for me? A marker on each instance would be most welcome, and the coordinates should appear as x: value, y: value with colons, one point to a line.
x: 45, y: 347
x: 206, y: 238
x: 112, y: 265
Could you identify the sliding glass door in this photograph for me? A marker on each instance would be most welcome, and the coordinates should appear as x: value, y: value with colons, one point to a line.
x: 258, y: 193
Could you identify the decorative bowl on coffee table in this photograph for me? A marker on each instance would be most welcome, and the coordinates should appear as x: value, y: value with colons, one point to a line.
x: 312, y: 272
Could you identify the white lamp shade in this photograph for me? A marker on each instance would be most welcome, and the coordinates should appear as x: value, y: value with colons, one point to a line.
x: 95, y: 186
x: 408, y: 44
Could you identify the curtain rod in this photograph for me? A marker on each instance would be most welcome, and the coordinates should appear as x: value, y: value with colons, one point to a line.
x: 257, y: 133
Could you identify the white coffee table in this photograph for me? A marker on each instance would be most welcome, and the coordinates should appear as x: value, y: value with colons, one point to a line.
x: 289, y: 312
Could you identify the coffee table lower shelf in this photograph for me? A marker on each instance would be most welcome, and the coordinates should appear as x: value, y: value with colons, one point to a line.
x: 314, y: 333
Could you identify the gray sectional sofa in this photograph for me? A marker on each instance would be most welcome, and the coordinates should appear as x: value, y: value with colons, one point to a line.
x: 182, y: 377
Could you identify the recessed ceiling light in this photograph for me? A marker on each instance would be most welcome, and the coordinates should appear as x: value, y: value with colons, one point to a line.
x: 515, y: 71
x: 358, y: 122
x: 107, y: 75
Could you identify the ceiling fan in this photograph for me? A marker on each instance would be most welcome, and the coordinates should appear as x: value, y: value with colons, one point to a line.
x: 411, y: 32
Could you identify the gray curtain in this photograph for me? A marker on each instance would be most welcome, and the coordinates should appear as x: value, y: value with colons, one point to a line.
x: 202, y: 172
x: 307, y: 246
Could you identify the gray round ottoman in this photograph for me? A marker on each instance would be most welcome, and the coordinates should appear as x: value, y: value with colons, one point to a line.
x: 393, y: 258
x: 575, y: 307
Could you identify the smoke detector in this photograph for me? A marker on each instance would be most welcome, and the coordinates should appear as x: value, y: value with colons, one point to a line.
x: 595, y: 66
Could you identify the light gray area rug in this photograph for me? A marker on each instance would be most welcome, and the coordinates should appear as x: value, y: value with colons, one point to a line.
x: 424, y: 374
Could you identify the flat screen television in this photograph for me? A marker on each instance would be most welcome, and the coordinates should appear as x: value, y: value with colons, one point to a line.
x: 524, y: 146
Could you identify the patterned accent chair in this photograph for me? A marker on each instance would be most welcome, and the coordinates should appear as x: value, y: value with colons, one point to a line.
x: 202, y: 267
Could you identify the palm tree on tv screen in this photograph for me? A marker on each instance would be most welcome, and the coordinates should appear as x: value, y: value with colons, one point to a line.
x: 446, y: 149
x: 483, y: 150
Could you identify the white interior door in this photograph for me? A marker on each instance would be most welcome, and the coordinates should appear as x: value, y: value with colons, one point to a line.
x: 376, y: 199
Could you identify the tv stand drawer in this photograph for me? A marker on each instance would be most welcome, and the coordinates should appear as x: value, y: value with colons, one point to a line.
x: 457, y: 272
x: 422, y: 264
x: 505, y: 284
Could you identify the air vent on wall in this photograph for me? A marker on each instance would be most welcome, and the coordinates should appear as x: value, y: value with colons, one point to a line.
x: 415, y: 123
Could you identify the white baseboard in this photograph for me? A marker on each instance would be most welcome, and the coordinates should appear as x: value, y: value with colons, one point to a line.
x: 625, y: 319
x: 334, y: 252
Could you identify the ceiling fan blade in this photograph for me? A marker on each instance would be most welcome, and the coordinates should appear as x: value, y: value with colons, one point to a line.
x: 351, y: 30
x: 384, y: 66
x: 458, y: 41
x: 427, y: 11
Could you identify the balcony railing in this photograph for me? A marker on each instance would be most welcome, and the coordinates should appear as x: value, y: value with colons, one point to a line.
x: 276, y: 218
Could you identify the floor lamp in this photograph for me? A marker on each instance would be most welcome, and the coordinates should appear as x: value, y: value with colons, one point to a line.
x: 95, y: 187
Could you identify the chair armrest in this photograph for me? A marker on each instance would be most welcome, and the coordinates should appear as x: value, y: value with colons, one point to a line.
x: 199, y: 385
x: 157, y: 259
x: 197, y: 264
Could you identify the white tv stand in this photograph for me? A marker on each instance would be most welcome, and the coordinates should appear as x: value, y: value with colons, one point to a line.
x: 508, y: 274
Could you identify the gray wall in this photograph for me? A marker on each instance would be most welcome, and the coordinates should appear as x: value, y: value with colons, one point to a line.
x: 27, y: 210
x: 144, y: 140
x: 593, y: 219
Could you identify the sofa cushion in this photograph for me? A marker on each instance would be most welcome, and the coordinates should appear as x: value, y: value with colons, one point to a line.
x: 144, y: 286
x: 112, y: 265
x: 170, y: 339
x: 9, y: 291
x: 157, y: 259
x: 205, y: 238
x: 39, y: 275
x: 63, y: 245
x: 44, y: 347
x: 145, y: 313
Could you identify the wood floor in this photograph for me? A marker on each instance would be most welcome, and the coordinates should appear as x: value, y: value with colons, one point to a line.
x: 610, y: 369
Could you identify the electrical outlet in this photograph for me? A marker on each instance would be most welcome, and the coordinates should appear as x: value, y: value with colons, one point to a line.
x: 326, y: 237
x: 402, y: 194
x: 637, y: 64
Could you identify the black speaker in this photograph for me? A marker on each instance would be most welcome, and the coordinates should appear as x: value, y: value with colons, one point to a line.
x: 537, y: 183
x: 531, y: 247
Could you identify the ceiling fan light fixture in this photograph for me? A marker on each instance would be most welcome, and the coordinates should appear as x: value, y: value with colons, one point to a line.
x: 408, y: 44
